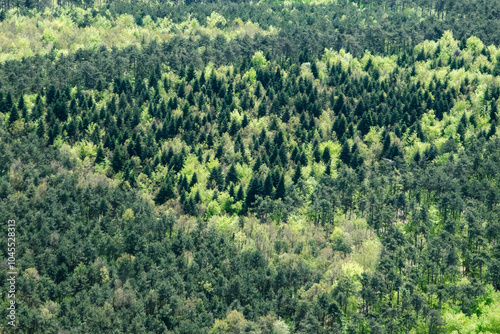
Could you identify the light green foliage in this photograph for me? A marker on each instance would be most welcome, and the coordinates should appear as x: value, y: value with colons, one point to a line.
x: 57, y: 29
x: 258, y: 59
x: 486, y: 321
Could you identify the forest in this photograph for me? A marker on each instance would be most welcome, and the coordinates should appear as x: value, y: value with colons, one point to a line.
x: 268, y: 167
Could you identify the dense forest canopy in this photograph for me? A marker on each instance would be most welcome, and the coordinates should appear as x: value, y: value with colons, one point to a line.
x: 268, y: 167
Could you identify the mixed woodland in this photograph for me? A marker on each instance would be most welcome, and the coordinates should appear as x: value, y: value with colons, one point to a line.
x: 251, y: 167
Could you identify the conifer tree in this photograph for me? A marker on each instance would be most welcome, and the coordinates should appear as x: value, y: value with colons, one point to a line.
x: 345, y: 154
x: 232, y: 175
x: 194, y: 180
x: 268, y: 186
x: 99, y: 155
x: 165, y: 193
x: 254, y: 190
x: 297, y: 175
x: 493, y: 112
x: 14, y: 115
x: 280, y: 189
x: 119, y: 158
x: 326, y: 155
x: 240, y: 194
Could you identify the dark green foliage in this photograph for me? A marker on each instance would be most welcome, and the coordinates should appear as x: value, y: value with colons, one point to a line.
x: 326, y: 155
x: 14, y: 115
x: 254, y: 190
x: 132, y: 247
x: 99, y: 155
x: 165, y: 193
x: 345, y: 154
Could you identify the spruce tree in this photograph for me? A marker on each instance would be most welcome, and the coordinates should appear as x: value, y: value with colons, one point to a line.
x: 345, y: 154
x: 254, y: 190
x: 326, y: 155
x: 257, y: 164
x: 365, y: 123
x: 119, y: 158
x: 40, y: 129
x: 492, y: 132
x: 314, y: 69
x: 328, y: 170
x: 232, y: 175
x: 268, y: 186
x: 165, y: 193
x: 297, y: 175
x: 240, y: 194
x: 316, y: 155
x: 194, y: 180
x: 262, y: 110
x: 14, y: 115
x: 280, y: 189
x: 99, y: 155
x: 340, y: 126
x: 493, y: 112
